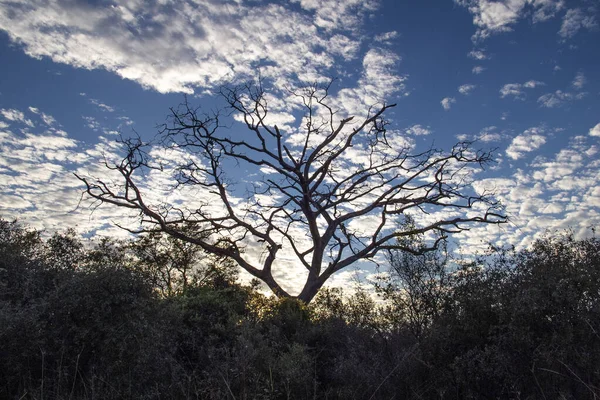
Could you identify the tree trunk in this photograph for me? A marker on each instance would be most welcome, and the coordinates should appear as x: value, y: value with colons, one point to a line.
x: 310, y: 289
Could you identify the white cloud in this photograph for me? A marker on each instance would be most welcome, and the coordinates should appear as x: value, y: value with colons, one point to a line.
x: 489, y: 134
x: 546, y: 9
x: 530, y: 140
x: 126, y: 120
x: 48, y: 119
x: 478, y: 55
x: 492, y: 17
x: 486, y: 135
x: 558, y: 98
x: 101, y: 105
x: 512, y: 89
x: 386, y: 37
x: 335, y: 14
x: 466, y: 88
x: 16, y: 116
x: 478, y: 69
x: 447, y: 102
x: 490, y: 137
x: 579, y: 81
x: 575, y: 20
x: 380, y: 79
x: 532, y: 84
x: 37, y: 184
x: 516, y: 89
x: 211, y: 42
x: 558, y: 171
x: 418, y: 130
x: 557, y: 192
x: 16, y: 202
x: 91, y: 123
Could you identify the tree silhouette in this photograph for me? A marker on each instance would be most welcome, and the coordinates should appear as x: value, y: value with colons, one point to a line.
x: 335, y: 193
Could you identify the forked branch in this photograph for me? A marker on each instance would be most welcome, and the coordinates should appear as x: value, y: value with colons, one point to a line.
x: 338, y: 196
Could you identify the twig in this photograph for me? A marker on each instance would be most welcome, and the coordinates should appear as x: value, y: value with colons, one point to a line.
x: 393, y: 370
x: 227, y: 384
x: 75, y: 376
x: 536, y: 381
x: 579, y: 379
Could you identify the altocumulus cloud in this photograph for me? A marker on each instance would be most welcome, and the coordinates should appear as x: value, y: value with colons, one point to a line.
x: 37, y: 159
x: 557, y: 192
x: 575, y: 20
x: 466, y: 89
x: 195, y: 46
x: 492, y: 17
x: 447, y: 102
x: 176, y: 46
x: 532, y: 139
x: 516, y: 90
x: 559, y: 98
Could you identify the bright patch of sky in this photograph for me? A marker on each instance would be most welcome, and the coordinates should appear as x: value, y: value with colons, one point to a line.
x: 519, y: 76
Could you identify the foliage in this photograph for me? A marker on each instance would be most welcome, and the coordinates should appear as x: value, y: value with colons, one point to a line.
x: 415, y: 287
x: 85, y: 321
x: 525, y: 323
x: 174, y: 265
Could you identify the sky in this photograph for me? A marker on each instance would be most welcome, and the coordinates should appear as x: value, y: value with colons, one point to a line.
x: 521, y: 77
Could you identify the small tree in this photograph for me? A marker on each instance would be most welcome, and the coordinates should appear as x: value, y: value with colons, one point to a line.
x: 330, y: 196
x: 416, y: 287
x: 174, y: 265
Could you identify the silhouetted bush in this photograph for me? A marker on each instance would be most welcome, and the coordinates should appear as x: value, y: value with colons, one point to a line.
x: 524, y: 324
x: 87, y: 321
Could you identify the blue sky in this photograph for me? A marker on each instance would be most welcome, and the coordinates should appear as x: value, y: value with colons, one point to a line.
x: 520, y: 76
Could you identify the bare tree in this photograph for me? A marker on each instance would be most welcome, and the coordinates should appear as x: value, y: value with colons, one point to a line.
x: 331, y: 195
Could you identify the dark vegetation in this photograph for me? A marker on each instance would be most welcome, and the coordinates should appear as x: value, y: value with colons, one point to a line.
x: 151, y: 318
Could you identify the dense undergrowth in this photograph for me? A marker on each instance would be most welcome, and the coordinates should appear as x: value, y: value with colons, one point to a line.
x: 135, y: 321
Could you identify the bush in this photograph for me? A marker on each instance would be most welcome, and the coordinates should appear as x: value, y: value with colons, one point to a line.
x: 526, y: 323
x: 82, y: 321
